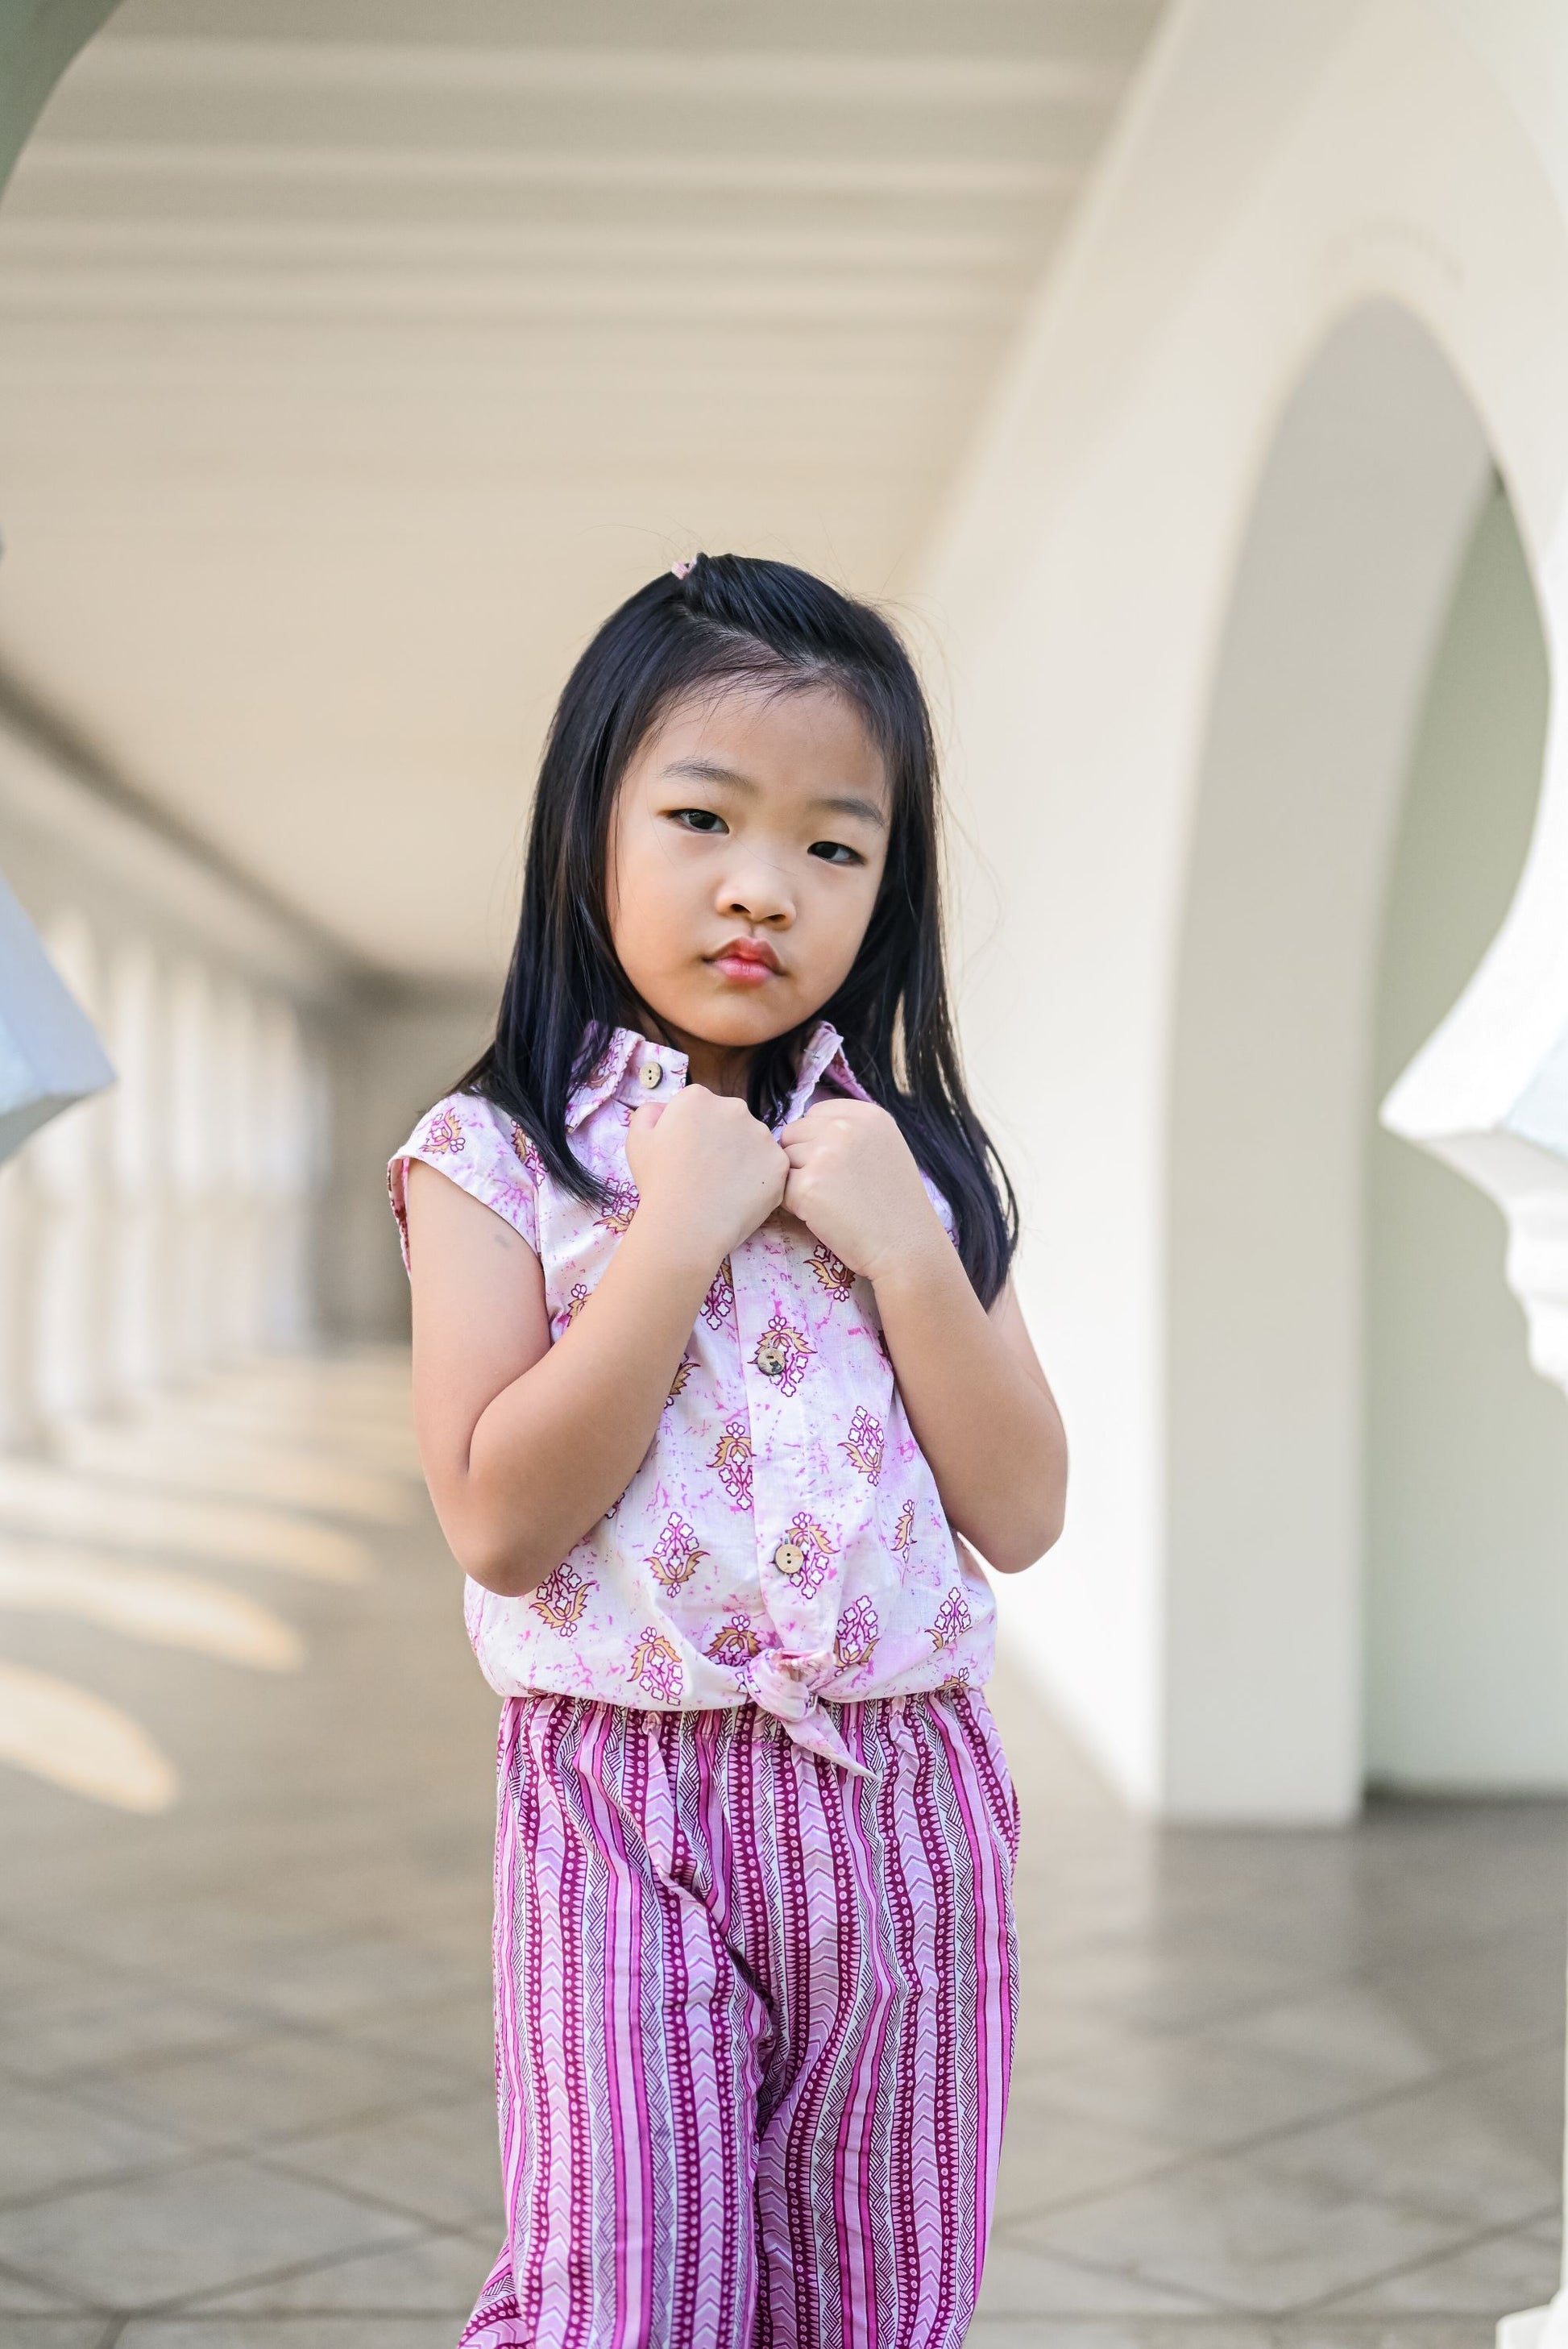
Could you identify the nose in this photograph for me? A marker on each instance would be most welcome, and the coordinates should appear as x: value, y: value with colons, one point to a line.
x: 756, y: 888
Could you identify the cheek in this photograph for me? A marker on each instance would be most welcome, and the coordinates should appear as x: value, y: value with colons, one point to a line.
x: 845, y: 916
x: 652, y: 903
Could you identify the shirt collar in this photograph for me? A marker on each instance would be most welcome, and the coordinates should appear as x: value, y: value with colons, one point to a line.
x: 822, y: 1055
x: 619, y: 1073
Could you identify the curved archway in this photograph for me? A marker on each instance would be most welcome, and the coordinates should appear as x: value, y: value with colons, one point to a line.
x: 1365, y: 504
x: 37, y: 44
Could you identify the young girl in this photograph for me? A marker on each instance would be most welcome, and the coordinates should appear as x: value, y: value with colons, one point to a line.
x: 717, y: 1369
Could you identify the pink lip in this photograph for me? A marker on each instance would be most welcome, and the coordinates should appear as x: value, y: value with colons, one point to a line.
x: 745, y: 962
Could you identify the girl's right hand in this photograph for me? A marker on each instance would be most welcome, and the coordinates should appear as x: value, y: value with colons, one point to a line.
x: 706, y: 1168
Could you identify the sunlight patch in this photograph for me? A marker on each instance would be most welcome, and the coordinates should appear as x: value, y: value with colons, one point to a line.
x: 77, y: 1741
x: 35, y: 1498
x: 169, y: 1610
x: 186, y: 1459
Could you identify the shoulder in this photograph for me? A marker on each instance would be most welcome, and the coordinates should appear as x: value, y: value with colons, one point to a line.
x: 474, y: 1143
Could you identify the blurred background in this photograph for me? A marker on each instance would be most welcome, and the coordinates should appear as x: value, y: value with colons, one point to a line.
x: 1189, y: 382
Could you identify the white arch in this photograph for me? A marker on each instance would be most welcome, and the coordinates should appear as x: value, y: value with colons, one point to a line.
x: 1084, y: 581
x: 1361, y: 518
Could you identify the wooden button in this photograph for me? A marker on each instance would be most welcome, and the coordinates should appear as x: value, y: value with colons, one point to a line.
x: 651, y: 1074
x: 771, y: 1360
x: 789, y: 1557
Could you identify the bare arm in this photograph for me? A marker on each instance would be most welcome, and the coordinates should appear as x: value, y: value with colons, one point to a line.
x: 524, y: 1443
x: 979, y: 1405
x: 977, y: 1400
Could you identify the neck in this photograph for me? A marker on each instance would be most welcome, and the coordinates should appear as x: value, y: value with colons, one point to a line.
x: 721, y: 1067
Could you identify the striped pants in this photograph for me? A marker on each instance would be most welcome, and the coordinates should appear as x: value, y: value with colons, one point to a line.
x: 753, y: 2019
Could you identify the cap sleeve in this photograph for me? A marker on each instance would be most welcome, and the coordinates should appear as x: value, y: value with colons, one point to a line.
x: 938, y: 1199
x: 477, y: 1146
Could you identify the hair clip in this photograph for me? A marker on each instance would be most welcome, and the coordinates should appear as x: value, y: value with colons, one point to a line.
x: 681, y: 569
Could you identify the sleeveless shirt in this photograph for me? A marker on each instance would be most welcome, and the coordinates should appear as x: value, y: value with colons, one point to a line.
x: 783, y: 1541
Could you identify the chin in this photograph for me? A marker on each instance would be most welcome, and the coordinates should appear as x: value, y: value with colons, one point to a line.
x: 719, y: 1024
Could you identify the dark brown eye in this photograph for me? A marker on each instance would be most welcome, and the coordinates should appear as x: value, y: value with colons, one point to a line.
x: 835, y: 852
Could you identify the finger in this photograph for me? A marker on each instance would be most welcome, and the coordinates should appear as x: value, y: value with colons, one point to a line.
x: 646, y: 1115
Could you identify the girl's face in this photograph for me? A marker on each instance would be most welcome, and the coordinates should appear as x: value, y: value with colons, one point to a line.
x: 745, y: 850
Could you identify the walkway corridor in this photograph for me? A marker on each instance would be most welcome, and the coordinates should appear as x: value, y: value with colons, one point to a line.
x: 1292, y: 2089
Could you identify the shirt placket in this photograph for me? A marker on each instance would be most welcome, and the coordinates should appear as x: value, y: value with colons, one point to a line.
x: 760, y: 1272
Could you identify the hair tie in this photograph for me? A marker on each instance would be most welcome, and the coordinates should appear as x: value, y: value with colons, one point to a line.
x: 681, y: 570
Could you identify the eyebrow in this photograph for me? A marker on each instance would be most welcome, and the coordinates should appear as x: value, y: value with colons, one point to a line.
x: 714, y: 770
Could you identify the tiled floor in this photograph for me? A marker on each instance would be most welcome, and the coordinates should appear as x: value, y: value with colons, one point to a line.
x: 1294, y: 2089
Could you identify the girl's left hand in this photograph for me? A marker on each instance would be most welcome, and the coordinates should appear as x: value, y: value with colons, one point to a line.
x: 853, y: 1181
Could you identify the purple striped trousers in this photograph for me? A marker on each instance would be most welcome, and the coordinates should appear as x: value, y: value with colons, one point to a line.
x: 754, y: 2022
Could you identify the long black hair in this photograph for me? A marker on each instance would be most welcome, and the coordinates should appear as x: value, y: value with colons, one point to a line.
x: 731, y: 619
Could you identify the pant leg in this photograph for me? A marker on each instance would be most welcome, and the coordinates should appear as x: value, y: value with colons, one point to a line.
x: 628, y: 2051
x: 880, y: 2112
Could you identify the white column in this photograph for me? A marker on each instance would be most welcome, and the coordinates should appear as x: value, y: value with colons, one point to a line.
x: 196, y: 1315
x: 69, y: 1164
x: 293, y: 1164
x: 21, y: 1418
x: 233, y: 1080
x: 145, y: 1305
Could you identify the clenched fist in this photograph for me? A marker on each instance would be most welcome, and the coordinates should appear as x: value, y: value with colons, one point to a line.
x: 705, y: 1168
x: 853, y: 1181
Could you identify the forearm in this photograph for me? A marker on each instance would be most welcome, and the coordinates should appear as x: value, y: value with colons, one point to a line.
x: 993, y: 1437
x: 557, y: 1446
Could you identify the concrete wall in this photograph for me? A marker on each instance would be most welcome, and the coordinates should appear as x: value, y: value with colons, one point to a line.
x: 1467, y: 1449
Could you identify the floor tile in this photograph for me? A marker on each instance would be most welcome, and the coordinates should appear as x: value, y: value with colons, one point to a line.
x: 275, y: 2086
x: 159, y: 2238
x: 1248, y: 2240
x: 1484, y: 1998
x: 1486, y: 2279
x: 435, y: 2274
x: 1049, y: 2157
x: 48, y: 2140
x: 456, y: 2034
x: 53, y: 2332
x: 208, y: 2332
x: 77, y: 2033
x: 326, y: 1977
x: 28, y: 1969
x: 1052, y: 2033
x: 1229, y: 2333
x: 1435, y: 2149
x: 1353, y: 2028
x: 1164, y: 1985
x: 1522, y: 2096
x: 1189, y: 2091
x: 1020, y: 2282
x: 441, y: 2163
x: 22, y: 2295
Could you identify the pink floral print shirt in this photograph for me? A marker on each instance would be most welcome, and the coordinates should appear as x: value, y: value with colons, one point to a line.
x: 783, y: 1541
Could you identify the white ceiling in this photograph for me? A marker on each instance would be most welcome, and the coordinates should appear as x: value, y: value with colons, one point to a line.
x: 357, y: 356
